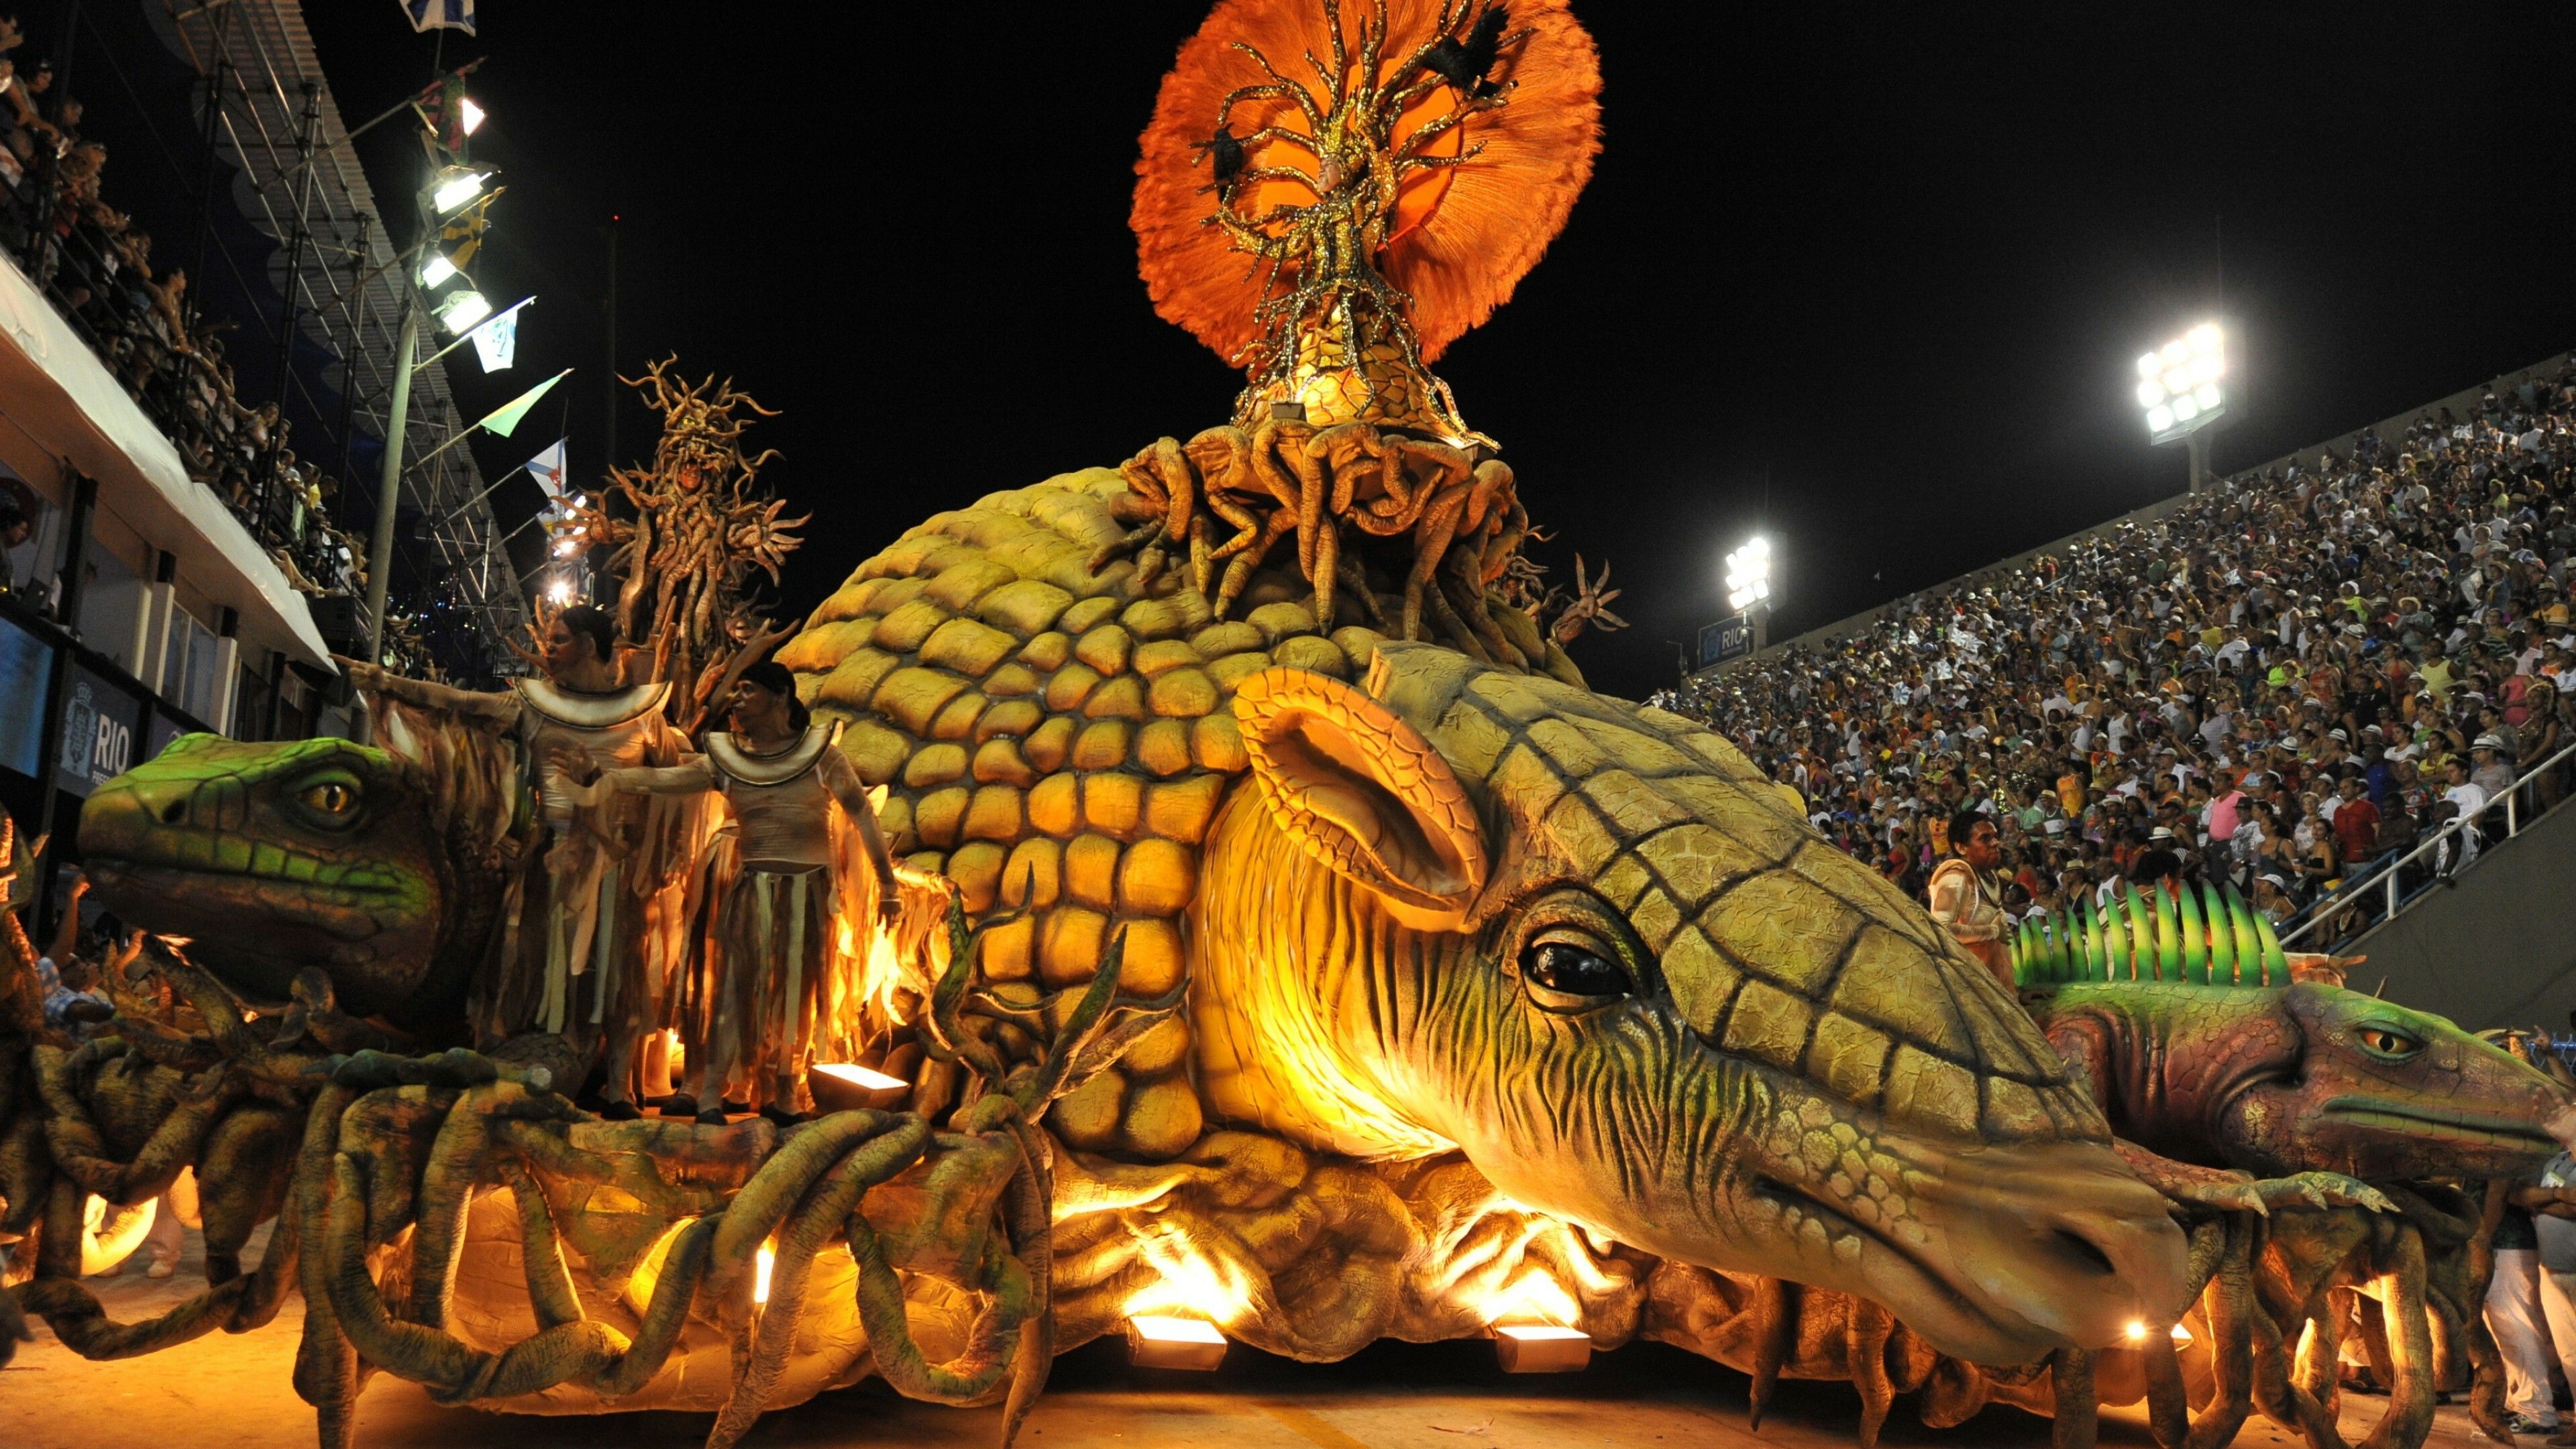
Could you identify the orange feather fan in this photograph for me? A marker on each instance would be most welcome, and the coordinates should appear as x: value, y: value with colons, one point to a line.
x: 1463, y: 235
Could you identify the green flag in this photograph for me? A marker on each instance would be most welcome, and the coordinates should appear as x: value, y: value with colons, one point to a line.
x: 505, y: 417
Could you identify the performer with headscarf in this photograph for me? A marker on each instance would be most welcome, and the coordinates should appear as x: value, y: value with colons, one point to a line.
x: 775, y: 994
x: 597, y: 924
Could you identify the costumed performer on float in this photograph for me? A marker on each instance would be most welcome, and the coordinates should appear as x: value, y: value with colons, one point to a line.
x: 776, y: 991
x: 597, y: 922
x: 1967, y: 899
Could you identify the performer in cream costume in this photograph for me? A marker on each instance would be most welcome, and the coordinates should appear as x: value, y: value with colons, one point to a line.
x: 1967, y: 898
x: 776, y: 991
x: 599, y: 917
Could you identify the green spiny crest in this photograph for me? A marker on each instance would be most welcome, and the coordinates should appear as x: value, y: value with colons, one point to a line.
x: 2192, y: 937
x: 2222, y: 941
x: 2142, y: 938
x: 2195, y: 936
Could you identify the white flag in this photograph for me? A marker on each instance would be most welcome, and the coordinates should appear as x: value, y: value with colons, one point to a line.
x: 440, y: 14
x: 496, y: 342
x: 548, y: 469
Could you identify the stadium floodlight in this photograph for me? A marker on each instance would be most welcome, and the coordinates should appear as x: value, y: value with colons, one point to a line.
x: 469, y: 115
x: 2182, y: 389
x: 2179, y: 384
x: 456, y: 186
x: 436, y: 270
x: 1748, y: 574
x: 463, y: 310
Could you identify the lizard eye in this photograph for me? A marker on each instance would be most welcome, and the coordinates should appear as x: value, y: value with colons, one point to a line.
x: 331, y: 802
x: 1565, y: 971
x: 2388, y: 1042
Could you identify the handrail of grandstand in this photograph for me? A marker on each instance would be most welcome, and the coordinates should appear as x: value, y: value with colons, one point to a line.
x: 2308, y: 456
x: 2349, y: 893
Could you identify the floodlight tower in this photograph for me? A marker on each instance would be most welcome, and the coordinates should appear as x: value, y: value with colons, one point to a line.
x: 2181, y: 385
x: 1748, y: 585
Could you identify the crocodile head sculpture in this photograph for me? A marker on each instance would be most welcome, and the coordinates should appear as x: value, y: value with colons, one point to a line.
x: 377, y: 865
x: 1589, y: 945
x: 2304, y: 1077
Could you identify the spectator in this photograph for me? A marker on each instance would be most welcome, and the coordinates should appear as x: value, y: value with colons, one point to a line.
x: 2465, y: 799
x: 66, y: 980
x: 14, y: 530
x: 2218, y: 672
x: 2356, y: 821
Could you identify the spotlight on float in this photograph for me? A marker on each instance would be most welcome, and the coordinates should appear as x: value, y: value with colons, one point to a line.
x: 455, y: 186
x: 463, y: 310
x: 1168, y: 1341
x: 436, y: 270
x: 560, y: 592
x: 1748, y: 575
x: 1541, y: 1348
x: 469, y: 115
x: 848, y: 1086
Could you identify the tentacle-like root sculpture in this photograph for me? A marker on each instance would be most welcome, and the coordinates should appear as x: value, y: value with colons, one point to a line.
x: 396, y: 1151
x: 1415, y: 534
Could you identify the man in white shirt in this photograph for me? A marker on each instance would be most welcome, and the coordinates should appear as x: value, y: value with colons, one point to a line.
x: 2470, y: 799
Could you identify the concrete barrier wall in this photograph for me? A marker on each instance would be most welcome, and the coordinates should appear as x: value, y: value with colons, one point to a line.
x: 2463, y: 403
x: 2497, y: 947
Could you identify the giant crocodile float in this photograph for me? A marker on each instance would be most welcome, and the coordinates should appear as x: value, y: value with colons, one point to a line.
x: 1325, y: 959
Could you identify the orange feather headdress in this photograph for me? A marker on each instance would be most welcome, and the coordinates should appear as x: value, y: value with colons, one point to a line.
x: 1322, y: 190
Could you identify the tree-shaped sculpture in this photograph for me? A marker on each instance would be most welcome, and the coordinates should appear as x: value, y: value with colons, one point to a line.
x: 1333, y: 227
x: 701, y: 526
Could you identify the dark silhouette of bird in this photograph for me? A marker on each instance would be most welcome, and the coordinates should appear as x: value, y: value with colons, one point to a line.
x: 1463, y: 63
x: 1225, y: 156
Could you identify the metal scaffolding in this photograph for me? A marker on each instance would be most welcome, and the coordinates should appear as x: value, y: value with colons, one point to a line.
x: 269, y: 116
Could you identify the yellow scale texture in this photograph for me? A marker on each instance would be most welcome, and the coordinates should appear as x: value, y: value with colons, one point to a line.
x: 1059, y: 747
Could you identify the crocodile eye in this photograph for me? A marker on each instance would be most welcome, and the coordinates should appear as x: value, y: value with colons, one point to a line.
x: 331, y: 803
x: 1565, y: 972
x: 2387, y: 1042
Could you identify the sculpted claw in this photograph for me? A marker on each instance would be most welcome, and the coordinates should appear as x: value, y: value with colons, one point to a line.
x: 2323, y: 1190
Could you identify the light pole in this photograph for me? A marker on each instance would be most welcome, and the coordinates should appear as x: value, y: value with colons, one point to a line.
x: 380, y: 545
x: 2181, y: 389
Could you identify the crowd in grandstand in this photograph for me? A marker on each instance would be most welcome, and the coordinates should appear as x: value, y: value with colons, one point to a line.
x: 2286, y: 683
x: 97, y: 265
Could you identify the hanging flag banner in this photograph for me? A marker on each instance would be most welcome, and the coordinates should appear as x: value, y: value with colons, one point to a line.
x: 440, y: 14
x: 461, y: 235
x: 548, y: 469
x: 501, y: 420
x: 496, y: 342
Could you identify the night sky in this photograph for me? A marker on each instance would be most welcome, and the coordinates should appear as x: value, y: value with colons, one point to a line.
x: 1870, y: 277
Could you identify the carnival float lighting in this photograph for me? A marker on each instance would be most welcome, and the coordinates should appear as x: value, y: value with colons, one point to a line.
x: 845, y: 1086
x: 1169, y: 1341
x: 470, y: 116
x: 1541, y: 1348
